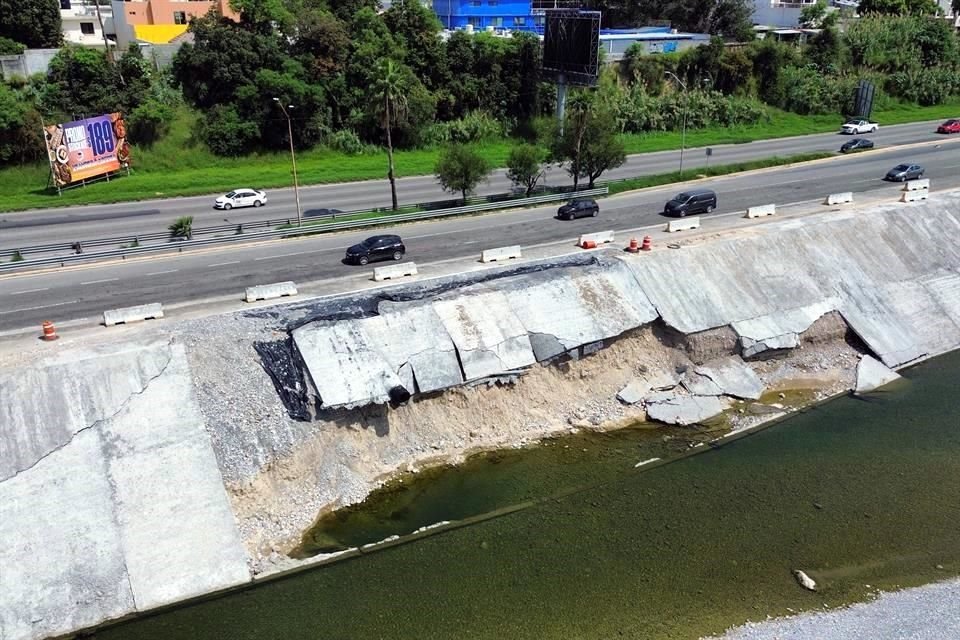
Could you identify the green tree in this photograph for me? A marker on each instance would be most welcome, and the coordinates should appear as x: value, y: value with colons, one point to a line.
x: 149, y: 122
x: 899, y: 7
x: 12, y: 112
x: 602, y: 149
x: 391, y: 100
x: 262, y: 15
x: 525, y: 166
x: 568, y: 143
x: 460, y: 169
x: 33, y: 23
x: 416, y: 29
x: 817, y: 16
x: 80, y: 81
x: 322, y: 43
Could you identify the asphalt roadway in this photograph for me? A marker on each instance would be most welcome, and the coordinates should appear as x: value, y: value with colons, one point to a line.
x: 79, y: 223
x: 83, y: 292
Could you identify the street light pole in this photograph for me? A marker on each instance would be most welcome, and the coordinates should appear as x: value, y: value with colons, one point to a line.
x: 293, y: 160
x: 683, y: 131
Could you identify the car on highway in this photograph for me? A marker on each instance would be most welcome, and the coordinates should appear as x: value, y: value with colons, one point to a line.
x: 375, y: 248
x: 857, y: 144
x: 241, y: 198
x: 904, y: 172
x: 694, y: 201
x: 859, y: 125
x: 579, y: 208
x: 950, y: 126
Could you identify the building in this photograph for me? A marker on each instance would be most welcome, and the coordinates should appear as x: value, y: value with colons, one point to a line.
x: 82, y: 25
x: 160, y: 22
x: 483, y: 15
x: 615, y: 42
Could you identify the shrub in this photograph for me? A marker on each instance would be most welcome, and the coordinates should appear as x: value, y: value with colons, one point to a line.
x: 182, y: 227
x: 10, y: 47
x: 149, y: 122
x: 473, y: 127
x: 225, y: 133
x: 346, y: 141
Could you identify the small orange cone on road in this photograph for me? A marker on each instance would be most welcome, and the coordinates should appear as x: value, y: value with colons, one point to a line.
x: 647, y: 244
x: 49, y: 331
x: 633, y: 246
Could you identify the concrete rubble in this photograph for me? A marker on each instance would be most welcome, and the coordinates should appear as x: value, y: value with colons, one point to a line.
x: 637, y: 389
x: 730, y: 377
x: 672, y: 407
x: 873, y: 374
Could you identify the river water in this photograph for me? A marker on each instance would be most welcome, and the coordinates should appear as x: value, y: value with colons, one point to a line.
x: 862, y: 494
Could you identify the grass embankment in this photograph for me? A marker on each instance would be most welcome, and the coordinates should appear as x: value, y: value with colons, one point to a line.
x: 177, y: 167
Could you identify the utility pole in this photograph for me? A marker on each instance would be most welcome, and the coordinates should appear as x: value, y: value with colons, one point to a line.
x: 683, y: 131
x: 293, y: 160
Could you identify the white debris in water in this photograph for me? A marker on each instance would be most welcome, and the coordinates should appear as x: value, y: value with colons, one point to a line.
x: 804, y: 580
x: 640, y: 464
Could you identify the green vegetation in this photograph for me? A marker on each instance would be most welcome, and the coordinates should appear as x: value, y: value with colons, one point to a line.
x: 460, y: 169
x: 182, y: 227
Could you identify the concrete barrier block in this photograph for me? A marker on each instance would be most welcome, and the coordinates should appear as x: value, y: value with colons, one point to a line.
x: 601, y: 237
x: 916, y: 185
x: 502, y: 253
x: 914, y: 196
x: 394, y: 271
x: 270, y: 291
x: 133, y: 314
x: 839, y: 198
x: 683, y: 224
x: 761, y: 211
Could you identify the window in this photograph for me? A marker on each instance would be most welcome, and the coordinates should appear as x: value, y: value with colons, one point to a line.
x: 497, y: 22
x: 179, y: 17
x: 474, y: 3
x: 473, y: 21
x: 86, y: 28
x: 493, y: 3
x: 519, y: 21
x: 65, y: 4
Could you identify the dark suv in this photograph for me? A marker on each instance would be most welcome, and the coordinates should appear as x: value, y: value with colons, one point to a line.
x: 578, y: 209
x: 385, y: 247
x: 698, y: 201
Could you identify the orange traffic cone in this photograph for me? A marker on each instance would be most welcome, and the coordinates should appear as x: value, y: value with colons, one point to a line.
x: 633, y: 246
x: 647, y: 244
x: 49, y: 331
x: 589, y: 244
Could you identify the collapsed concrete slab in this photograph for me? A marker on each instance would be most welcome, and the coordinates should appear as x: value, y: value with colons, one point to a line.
x: 671, y: 407
x: 872, y: 374
x: 638, y: 389
x: 126, y: 514
x: 730, y: 377
x: 780, y: 330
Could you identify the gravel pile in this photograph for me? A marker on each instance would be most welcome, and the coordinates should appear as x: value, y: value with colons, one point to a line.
x: 923, y: 613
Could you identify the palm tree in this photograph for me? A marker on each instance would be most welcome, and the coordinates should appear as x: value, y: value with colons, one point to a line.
x: 391, y: 106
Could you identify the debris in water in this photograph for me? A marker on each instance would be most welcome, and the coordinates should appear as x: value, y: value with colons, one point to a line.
x: 804, y: 580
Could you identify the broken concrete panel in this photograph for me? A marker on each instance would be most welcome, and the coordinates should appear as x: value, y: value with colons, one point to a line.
x: 634, y: 392
x: 869, y: 314
x: 347, y: 370
x: 873, y: 374
x: 781, y: 329
x: 674, y: 408
x: 488, y: 336
x: 44, y: 407
x: 638, y: 389
x: 730, y: 376
x: 410, y: 336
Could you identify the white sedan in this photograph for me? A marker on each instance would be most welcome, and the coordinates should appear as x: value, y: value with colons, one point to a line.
x: 241, y: 198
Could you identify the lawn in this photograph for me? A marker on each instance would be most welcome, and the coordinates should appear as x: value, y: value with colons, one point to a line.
x: 177, y: 167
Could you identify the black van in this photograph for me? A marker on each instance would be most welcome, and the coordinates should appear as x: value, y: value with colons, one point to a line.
x: 688, y: 202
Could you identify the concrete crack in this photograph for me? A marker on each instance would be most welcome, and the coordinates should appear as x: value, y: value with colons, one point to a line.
x: 123, y: 405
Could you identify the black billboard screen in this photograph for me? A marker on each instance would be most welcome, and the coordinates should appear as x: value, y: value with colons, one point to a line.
x: 571, y: 46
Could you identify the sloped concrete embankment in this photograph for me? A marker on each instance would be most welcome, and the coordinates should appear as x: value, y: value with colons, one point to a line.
x: 143, y: 474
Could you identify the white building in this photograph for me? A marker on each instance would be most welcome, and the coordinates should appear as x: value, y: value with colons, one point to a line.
x: 81, y: 24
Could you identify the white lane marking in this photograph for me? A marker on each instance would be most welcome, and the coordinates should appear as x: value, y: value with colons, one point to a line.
x: 17, y: 293
x: 159, y: 273
x: 99, y: 281
x: 223, y: 264
x: 287, y: 255
x: 46, y: 306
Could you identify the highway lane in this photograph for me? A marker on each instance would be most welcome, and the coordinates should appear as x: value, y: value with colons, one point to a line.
x: 84, y: 292
x: 129, y: 219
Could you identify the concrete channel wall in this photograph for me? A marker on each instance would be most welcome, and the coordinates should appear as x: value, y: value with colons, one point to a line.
x: 116, y: 478
x: 892, y: 275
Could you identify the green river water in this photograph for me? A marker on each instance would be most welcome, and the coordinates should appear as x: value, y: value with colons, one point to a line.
x: 854, y: 492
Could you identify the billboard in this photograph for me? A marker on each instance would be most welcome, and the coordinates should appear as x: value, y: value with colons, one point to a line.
x: 87, y: 148
x: 571, y: 46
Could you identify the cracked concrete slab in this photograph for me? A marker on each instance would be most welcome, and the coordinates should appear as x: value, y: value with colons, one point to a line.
x: 128, y: 514
x: 729, y: 376
x: 675, y: 408
x: 489, y: 337
x: 639, y: 388
x: 873, y: 374
x: 780, y: 330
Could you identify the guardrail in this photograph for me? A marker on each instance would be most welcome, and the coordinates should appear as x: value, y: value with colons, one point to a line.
x: 346, y: 225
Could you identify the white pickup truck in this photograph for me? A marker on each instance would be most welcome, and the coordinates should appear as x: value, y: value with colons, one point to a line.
x: 859, y: 125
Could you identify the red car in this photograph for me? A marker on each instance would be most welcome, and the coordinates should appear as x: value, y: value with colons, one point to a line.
x: 950, y: 126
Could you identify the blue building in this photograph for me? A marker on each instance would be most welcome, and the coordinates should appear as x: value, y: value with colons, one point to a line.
x: 483, y: 15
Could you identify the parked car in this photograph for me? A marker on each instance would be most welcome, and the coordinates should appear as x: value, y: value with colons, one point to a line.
x: 374, y: 248
x: 241, y: 198
x: 904, y: 172
x: 696, y: 201
x: 321, y: 213
x: 859, y: 125
x: 950, y: 126
x: 580, y: 208
x: 857, y: 144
